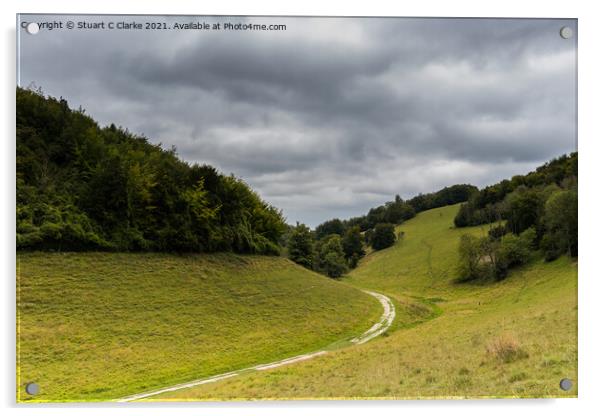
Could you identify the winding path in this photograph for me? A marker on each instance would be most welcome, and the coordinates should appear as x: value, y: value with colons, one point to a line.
x: 377, y: 329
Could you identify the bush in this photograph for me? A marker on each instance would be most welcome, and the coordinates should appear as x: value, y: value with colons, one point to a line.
x: 516, y: 250
x: 506, y: 349
x: 384, y: 236
x: 42, y: 226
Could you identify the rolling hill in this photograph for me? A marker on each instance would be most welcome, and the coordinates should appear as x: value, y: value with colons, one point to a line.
x: 99, y: 326
x: 108, y: 304
x: 513, y: 338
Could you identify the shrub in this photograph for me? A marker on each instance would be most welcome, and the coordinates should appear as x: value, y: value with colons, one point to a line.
x: 516, y: 250
x: 506, y: 349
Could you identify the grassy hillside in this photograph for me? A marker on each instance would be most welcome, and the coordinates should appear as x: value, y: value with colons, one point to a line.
x: 514, y: 338
x: 100, y: 326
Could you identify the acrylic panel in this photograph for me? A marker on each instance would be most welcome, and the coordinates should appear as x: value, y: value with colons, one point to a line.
x: 295, y: 208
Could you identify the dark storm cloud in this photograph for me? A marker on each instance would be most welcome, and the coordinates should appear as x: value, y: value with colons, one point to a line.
x: 331, y: 116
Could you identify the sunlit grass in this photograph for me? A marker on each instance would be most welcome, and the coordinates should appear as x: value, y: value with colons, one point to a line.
x: 99, y: 326
x: 514, y: 338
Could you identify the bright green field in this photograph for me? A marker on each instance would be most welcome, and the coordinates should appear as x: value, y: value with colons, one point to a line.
x: 101, y: 326
x: 442, y: 344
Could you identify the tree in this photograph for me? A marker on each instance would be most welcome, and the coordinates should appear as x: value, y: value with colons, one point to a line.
x: 301, y: 246
x: 334, y: 226
x: 487, y: 204
x: 397, y: 211
x: 487, y: 257
x: 464, y: 216
x: 331, y: 258
x: 469, y: 257
x: 522, y: 209
x: 560, y: 222
x: 477, y: 258
x: 83, y: 187
x: 384, y: 236
x: 353, y: 246
x: 515, y: 250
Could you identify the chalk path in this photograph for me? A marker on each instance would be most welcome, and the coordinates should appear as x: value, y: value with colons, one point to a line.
x: 377, y: 329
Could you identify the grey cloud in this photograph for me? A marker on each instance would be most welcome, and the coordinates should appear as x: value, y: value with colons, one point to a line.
x: 332, y: 116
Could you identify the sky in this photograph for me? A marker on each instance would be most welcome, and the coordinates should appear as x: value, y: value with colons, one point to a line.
x: 331, y: 116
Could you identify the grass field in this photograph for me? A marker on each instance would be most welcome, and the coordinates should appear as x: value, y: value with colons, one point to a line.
x: 515, y: 338
x: 100, y: 326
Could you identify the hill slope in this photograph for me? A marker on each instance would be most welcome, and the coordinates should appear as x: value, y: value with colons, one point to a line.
x: 81, y: 187
x: 514, y: 338
x: 99, y: 326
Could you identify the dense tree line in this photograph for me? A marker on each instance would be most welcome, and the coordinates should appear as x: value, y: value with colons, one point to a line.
x: 534, y: 213
x: 83, y: 187
x: 332, y: 254
x: 397, y: 211
x: 488, y: 205
x: 545, y: 200
x: 491, y: 257
x: 447, y: 196
x: 337, y: 245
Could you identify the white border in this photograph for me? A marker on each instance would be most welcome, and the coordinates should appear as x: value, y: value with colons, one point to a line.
x: 590, y: 276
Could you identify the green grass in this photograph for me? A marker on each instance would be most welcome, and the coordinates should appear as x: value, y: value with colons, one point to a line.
x: 514, y: 338
x: 100, y: 326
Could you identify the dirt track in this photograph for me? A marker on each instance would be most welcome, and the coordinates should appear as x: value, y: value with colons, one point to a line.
x: 377, y: 329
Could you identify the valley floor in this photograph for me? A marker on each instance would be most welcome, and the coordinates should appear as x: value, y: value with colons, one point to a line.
x: 514, y: 338
x: 100, y: 326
